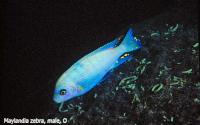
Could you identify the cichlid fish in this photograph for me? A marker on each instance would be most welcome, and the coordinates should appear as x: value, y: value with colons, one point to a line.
x: 91, y: 69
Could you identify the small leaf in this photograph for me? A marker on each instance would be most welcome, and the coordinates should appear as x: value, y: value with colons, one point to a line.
x: 194, y: 51
x: 189, y: 71
x: 117, y: 88
x: 135, y: 98
x: 142, y: 70
x: 174, y: 29
x: 174, y: 83
x: 157, y: 87
x: 143, y: 61
x: 172, y: 119
x: 196, y: 45
x: 155, y: 34
x: 166, y: 33
x: 196, y: 100
x: 142, y: 88
x: 149, y: 62
x: 95, y: 95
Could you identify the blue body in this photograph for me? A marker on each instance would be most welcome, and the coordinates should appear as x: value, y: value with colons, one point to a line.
x: 89, y: 71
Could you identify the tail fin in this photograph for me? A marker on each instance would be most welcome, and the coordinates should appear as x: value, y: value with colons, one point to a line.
x: 130, y: 43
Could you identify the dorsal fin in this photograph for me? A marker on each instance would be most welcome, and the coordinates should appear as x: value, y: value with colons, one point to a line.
x: 112, y: 44
x: 106, y: 46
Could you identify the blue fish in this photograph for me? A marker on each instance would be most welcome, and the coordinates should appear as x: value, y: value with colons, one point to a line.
x: 91, y: 69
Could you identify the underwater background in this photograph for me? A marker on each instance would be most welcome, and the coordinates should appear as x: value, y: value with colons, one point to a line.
x: 44, y: 38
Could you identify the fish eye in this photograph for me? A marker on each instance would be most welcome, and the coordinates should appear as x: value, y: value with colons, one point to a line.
x: 63, y: 92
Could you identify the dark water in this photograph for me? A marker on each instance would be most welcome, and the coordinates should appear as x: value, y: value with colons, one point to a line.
x: 42, y: 39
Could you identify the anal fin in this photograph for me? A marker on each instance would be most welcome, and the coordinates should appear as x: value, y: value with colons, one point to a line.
x: 124, y: 58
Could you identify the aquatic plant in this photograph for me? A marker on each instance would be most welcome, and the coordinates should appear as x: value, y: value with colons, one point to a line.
x: 177, y: 81
x: 129, y: 84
